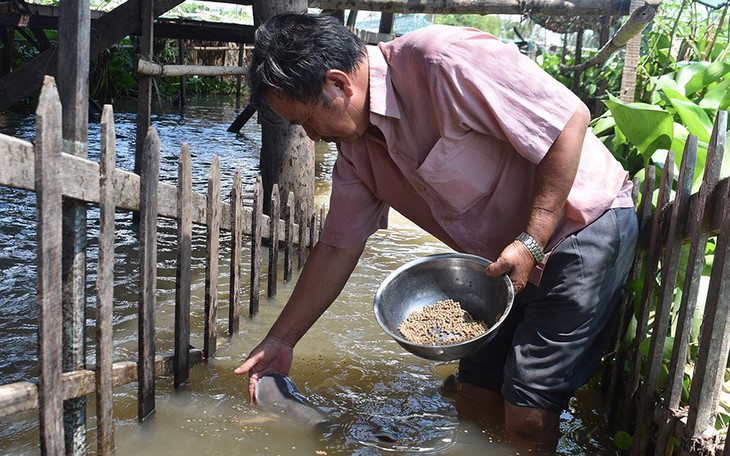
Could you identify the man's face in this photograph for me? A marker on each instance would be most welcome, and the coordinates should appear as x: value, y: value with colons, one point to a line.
x: 328, y: 120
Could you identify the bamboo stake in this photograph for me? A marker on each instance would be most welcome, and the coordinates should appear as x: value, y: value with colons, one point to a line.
x: 289, y: 235
x: 147, y: 68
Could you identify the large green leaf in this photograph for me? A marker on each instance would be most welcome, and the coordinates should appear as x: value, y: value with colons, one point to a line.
x: 693, y: 117
x: 686, y: 73
x: 707, y: 76
x: 646, y: 126
x: 718, y: 97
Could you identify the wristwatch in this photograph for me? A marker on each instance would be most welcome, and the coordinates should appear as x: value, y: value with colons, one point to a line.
x: 532, y: 246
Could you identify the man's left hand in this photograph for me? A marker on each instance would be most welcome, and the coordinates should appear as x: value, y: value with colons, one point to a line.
x: 515, y: 261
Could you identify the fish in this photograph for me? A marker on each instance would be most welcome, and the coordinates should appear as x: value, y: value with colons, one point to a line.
x: 278, y: 394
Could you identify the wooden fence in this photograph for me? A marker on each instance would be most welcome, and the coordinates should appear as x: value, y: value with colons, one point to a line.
x: 672, y: 244
x: 53, y: 175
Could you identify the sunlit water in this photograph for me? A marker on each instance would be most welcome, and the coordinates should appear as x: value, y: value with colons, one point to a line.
x: 346, y: 364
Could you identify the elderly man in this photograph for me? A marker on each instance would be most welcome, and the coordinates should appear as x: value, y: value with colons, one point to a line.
x: 478, y: 146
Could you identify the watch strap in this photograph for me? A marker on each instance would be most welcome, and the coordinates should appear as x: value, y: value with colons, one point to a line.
x: 532, y: 246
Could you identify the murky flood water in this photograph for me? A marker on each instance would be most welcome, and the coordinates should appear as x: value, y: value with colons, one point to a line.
x: 346, y: 364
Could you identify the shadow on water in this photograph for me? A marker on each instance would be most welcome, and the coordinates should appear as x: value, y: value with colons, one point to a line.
x: 345, y: 365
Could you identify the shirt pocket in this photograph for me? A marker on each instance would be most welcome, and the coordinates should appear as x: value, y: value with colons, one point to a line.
x: 460, y: 172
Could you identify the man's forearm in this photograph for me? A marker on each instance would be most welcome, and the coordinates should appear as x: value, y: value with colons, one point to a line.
x: 324, y: 275
x: 555, y: 175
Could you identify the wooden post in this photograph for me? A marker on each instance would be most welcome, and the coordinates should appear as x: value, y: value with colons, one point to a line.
x: 289, y: 234
x: 670, y: 268
x: 144, y: 91
x: 148, y: 274
x: 213, y: 216
x: 74, y: 24
x: 181, y: 364
x: 287, y: 154
x: 386, y: 23
x: 274, y: 214
x: 256, y: 230
x: 48, y: 213
x: 234, y: 302
x: 631, y: 62
x: 105, y: 288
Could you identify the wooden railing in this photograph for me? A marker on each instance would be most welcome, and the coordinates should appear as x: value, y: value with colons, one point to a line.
x: 53, y: 175
x: 678, y: 229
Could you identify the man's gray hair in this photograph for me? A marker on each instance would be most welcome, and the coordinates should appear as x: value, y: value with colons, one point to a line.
x: 293, y: 52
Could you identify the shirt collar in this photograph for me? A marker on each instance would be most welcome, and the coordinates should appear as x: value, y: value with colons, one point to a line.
x: 382, y: 94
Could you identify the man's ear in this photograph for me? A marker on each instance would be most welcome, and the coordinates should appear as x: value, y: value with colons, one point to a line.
x: 338, y: 79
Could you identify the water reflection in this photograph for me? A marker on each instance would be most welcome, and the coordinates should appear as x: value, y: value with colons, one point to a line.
x: 345, y: 365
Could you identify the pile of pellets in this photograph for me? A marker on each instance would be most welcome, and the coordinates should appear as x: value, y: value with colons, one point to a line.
x: 443, y: 323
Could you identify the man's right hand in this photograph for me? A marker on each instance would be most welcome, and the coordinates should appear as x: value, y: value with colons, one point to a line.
x: 271, y: 355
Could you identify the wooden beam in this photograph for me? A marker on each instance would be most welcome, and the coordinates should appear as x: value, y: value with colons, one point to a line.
x: 546, y: 7
x: 148, y: 68
x: 23, y: 396
x: 107, y: 30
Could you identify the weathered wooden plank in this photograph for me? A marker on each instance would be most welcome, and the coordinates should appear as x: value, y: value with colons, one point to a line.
x: 693, y: 273
x: 148, y: 273
x: 274, y: 213
x: 289, y: 236
x: 256, y: 230
x: 626, y: 306
x: 548, y: 8
x: 48, y: 214
x: 23, y: 396
x: 714, y: 336
x: 105, y: 287
x: 646, y: 231
x: 234, y: 300
x: 670, y: 268
x: 183, y: 280
x: 212, y: 242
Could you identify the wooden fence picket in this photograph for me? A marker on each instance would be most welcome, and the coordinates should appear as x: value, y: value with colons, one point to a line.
x: 289, y: 235
x: 150, y: 175
x: 183, y: 283
x: 256, y: 230
x: 234, y: 300
x: 48, y: 214
x: 105, y: 287
x: 274, y: 213
x: 212, y: 242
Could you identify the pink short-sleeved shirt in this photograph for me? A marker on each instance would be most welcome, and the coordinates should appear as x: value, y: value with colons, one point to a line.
x: 465, y: 120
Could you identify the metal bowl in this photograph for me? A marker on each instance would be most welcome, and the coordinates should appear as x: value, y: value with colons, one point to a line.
x: 425, y: 281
